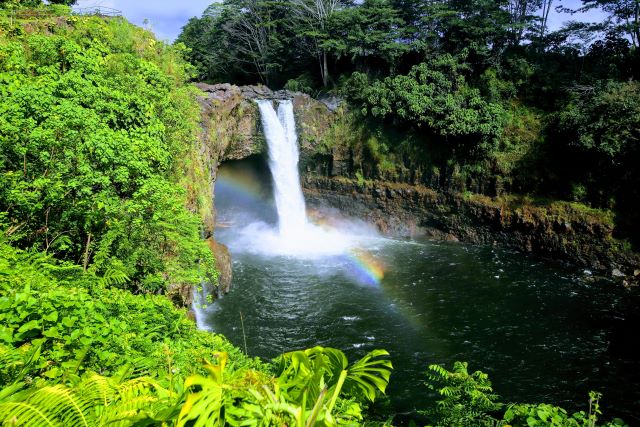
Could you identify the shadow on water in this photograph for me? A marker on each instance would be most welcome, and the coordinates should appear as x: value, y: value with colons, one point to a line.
x: 544, y: 333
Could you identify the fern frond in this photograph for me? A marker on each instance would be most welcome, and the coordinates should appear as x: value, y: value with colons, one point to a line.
x: 94, y: 401
x: 98, y: 390
x: 25, y: 414
x: 114, y: 277
x: 52, y: 406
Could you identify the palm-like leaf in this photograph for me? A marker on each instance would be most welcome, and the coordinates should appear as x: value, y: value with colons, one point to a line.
x: 303, y: 374
x: 205, y: 406
x: 369, y: 374
x: 94, y: 401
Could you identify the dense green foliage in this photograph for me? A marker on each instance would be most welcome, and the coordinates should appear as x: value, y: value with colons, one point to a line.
x: 94, y: 125
x: 459, y: 95
x: 78, y: 321
x: 61, y: 326
x: 436, y: 97
x: 603, y: 126
x: 21, y: 4
x: 467, y: 399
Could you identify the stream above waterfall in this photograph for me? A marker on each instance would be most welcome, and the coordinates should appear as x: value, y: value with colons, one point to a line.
x: 543, y: 332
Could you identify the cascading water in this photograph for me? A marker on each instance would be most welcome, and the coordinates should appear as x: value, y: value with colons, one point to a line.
x: 280, y: 132
x: 199, y: 306
x: 295, y: 235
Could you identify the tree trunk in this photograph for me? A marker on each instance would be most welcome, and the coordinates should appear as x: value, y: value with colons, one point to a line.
x: 635, y: 36
x: 86, y: 253
x: 325, y: 69
x: 546, y: 8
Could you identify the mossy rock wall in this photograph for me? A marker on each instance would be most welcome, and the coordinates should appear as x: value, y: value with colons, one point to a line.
x: 557, y: 230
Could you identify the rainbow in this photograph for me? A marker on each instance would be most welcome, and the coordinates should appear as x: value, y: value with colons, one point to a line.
x: 243, y: 187
x: 366, y: 268
x: 362, y: 265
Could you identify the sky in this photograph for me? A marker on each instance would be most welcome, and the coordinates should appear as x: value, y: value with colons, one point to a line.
x: 167, y: 17
x: 557, y: 19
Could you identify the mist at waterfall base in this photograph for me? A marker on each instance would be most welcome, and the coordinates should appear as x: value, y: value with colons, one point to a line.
x: 544, y: 333
x: 289, y: 232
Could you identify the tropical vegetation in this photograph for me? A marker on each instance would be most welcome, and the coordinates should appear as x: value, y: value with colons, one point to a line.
x: 458, y: 95
x: 98, y: 129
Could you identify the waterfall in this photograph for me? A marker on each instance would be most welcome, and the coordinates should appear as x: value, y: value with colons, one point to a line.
x: 295, y: 235
x: 199, y: 306
x: 280, y: 132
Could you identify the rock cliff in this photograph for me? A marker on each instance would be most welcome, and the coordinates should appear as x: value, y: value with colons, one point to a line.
x: 558, y: 230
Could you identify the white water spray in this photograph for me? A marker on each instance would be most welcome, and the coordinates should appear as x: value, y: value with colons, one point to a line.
x: 280, y: 132
x: 199, y: 306
x: 295, y: 235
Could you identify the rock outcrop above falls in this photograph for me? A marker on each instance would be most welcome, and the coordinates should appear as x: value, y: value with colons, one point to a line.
x: 232, y: 121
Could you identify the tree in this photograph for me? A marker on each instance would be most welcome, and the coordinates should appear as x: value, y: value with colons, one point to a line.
x: 252, y: 28
x: 34, y: 3
x: 624, y: 13
x: 479, y: 26
x: 368, y: 34
x: 434, y: 96
x: 19, y: 3
x: 544, y: 16
x: 312, y: 17
x: 207, y: 44
x: 601, y: 124
x: 522, y: 16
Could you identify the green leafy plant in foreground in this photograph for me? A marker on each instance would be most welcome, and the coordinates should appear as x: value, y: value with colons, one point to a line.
x: 468, y: 401
x: 77, y: 323
x: 309, y: 390
x: 222, y: 397
x: 543, y: 415
x: 467, y: 398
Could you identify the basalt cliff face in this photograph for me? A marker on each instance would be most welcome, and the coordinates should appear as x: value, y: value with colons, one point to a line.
x: 231, y: 120
x: 559, y: 230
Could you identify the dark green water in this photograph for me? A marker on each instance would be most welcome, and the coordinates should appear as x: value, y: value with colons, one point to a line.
x: 543, y: 333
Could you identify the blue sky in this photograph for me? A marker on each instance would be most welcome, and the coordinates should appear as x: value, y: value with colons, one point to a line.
x: 166, y: 17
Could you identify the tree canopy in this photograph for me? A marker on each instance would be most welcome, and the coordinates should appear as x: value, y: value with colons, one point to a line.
x: 464, y: 82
